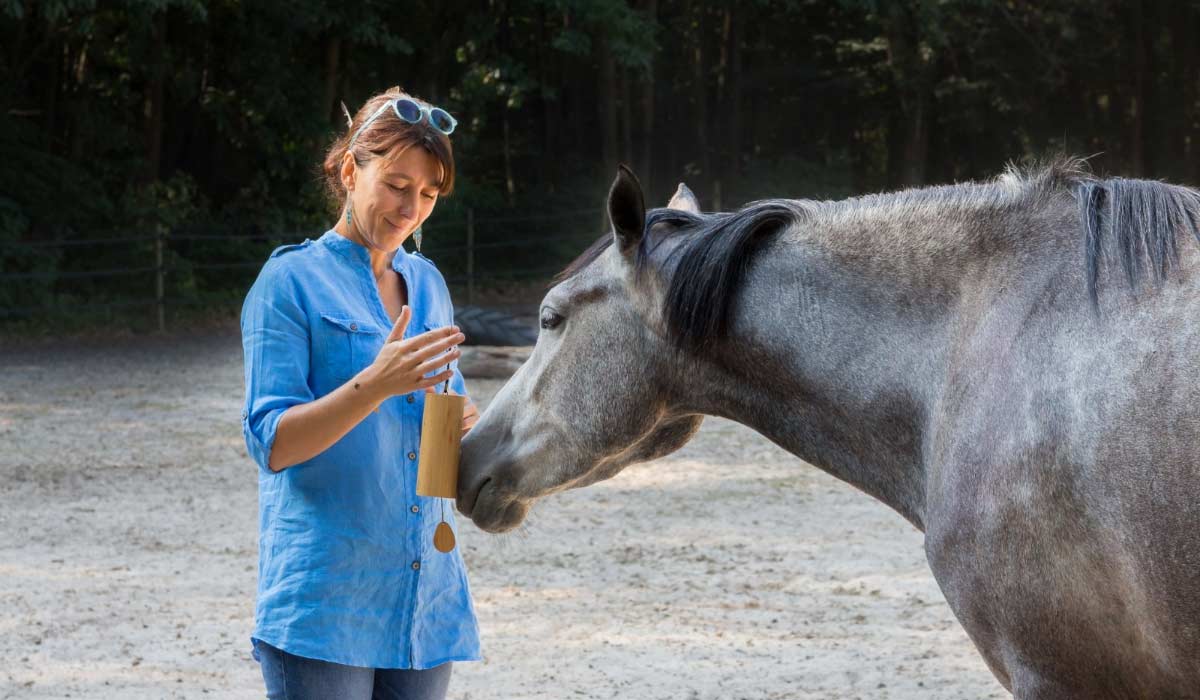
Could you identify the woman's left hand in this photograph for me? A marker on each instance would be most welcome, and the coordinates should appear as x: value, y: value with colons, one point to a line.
x: 470, y: 416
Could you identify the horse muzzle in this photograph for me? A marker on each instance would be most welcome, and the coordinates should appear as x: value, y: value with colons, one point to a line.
x: 482, y: 496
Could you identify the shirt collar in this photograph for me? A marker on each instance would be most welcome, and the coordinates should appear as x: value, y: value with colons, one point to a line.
x: 358, y: 254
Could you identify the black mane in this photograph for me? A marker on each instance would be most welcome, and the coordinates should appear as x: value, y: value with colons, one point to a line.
x: 708, y: 266
x: 1141, y: 219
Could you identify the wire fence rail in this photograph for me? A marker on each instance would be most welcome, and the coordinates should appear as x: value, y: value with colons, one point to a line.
x: 473, y: 277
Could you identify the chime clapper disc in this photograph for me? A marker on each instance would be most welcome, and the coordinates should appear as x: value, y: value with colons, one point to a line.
x: 443, y: 537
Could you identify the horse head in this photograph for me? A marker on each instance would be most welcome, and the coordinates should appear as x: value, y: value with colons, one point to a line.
x: 598, y: 393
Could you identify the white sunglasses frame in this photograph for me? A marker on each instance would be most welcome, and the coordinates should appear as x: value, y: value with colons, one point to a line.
x: 426, y: 114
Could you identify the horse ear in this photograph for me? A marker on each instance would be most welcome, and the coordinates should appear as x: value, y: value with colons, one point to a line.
x: 684, y: 200
x: 626, y: 209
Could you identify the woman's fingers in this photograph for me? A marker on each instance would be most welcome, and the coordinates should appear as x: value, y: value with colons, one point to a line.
x: 437, y: 362
x: 435, y: 347
x: 410, y: 360
x: 427, y: 383
x: 423, y: 339
x: 400, y: 325
x: 470, y: 416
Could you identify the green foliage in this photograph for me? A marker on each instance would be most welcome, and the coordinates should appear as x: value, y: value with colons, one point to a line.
x: 191, y: 118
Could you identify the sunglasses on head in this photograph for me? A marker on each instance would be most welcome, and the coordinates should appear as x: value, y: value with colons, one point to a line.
x: 411, y: 111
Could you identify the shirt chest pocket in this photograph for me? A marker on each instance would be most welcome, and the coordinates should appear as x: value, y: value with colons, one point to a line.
x: 346, y: 345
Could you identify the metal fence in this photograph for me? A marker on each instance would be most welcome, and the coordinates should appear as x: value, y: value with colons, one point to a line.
x: 463, y: 256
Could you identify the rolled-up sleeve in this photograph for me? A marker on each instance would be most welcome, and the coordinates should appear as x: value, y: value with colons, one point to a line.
x: 275, y: 350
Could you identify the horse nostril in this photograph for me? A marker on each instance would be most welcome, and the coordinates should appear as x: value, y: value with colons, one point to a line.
x: 468, y: 500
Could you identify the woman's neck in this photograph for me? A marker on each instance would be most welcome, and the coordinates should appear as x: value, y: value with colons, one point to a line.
x: 381, y: 260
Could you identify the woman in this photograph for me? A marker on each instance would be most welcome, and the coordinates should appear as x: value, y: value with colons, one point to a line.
x: 342, y: 338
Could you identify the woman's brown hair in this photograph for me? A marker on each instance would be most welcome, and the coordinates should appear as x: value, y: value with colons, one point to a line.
x: 384, y: 134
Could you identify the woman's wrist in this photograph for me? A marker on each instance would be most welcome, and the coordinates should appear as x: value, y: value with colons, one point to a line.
x: 367, y: 386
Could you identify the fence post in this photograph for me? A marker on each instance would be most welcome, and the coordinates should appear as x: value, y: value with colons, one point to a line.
x: 158, y: 279
x: 470, y: 256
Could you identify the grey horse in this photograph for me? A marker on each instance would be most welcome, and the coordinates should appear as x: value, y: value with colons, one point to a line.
x: 1010, y: 365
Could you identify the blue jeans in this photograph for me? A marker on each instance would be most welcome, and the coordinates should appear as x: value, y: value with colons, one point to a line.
x: 291, y: 677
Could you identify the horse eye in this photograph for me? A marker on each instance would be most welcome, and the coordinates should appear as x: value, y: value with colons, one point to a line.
x: 550, y: 319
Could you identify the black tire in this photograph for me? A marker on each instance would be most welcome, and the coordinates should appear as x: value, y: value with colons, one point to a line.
x: 488, y: 327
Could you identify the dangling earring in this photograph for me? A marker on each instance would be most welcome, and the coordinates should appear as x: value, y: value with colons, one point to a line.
x: 348, y: 211
x: 417, y: 239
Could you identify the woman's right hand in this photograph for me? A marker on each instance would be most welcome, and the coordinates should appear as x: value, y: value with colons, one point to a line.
x: 401, y: 365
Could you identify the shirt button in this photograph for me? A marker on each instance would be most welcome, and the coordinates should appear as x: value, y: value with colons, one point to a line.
x: 353, y: 326
x: 412, y: 455
x: 416, y: 565
x: 415, y: 509
x: 411, y: 398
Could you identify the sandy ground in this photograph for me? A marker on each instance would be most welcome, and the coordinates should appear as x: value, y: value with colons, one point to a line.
x: 728, y: 570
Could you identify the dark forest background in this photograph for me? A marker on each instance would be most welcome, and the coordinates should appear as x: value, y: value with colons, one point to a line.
x: 201, y: 123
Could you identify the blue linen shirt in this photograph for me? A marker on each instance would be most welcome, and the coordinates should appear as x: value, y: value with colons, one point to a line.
x: 347, y: 571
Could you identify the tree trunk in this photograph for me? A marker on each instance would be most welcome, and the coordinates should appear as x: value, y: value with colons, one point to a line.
x: 608, y: 107
x: 1137, y: 97
x: 75, y: 106
x: 700, y: 93
x: 1179, y: 99
x: 646, y: 121
x: 333, y: 51
x: 908, y: 151
x: 733, y: 133
x: 153, y: 99
x: 547, y: 76
x: 510, y: 186
x: 52, y: 86
x: 1162, y: 123
x: 626, y: 117
x: 576, y: 74
x: 720, y: 150
x: 504, y: 44
x: 1189, y: 76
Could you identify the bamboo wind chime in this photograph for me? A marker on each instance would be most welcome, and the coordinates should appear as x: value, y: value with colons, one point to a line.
x: 437, y: 468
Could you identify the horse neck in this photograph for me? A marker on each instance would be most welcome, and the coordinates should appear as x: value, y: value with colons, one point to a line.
x: 839, y: 348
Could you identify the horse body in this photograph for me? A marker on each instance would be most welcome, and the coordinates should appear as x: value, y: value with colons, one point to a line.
x: 1062, y: 478
x: 946, y: 351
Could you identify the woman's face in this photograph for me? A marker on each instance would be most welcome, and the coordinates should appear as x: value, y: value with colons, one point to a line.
x: 391, y: 196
